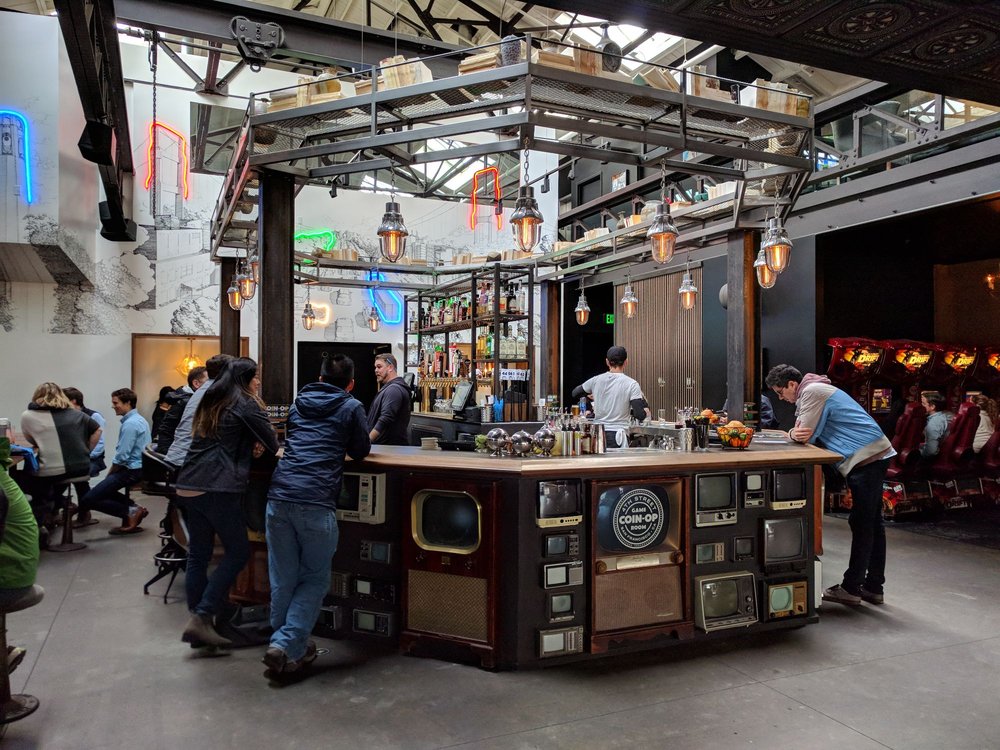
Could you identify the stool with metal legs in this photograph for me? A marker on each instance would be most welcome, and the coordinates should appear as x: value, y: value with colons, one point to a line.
x: 67, y: 544
x: 14, y: 707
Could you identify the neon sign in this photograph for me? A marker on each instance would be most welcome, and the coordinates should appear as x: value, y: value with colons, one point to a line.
x: 329, y: 235
x: 911, y: 359
x: 958, y: 360
x: 396, y: 300
x: 151, y: 162
x: 862, y: 359
x: 27, y: 149
x: 473, y: 209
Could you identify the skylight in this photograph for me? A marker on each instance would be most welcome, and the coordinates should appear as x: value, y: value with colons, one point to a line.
x: 622, y: 34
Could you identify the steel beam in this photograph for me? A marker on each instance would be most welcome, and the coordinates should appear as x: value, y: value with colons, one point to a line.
x: 308, y: 38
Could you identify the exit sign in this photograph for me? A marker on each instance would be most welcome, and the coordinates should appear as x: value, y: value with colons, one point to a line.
x: 609, y: 318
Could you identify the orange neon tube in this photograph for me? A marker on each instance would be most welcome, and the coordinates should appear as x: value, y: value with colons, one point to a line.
x: 150, y: 164
x: 475, y: 195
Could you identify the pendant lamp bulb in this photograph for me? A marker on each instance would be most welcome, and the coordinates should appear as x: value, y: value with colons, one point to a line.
x: 765, y: 276
x: 776, y: 245
x: 662, y: 233
x: 308, y: 314
x: 392, y: 232
x: 374, y: 321
x: 233, y: 294
x: 526, y: 220
x: 582, y: 310
x: 688, y: 291
x: 629, y: 302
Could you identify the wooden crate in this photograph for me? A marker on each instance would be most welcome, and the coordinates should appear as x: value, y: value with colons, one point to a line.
x: 476, y: 63
x: 587, y: 61
x: 397, y: 74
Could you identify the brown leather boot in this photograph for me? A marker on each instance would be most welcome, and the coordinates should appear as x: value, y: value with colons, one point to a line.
x: 199, y: 630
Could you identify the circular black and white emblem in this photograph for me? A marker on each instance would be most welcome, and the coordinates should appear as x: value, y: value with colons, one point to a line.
x: 638, y: 518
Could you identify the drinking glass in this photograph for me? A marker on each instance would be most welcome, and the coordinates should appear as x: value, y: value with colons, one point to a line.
x: 661, y: 415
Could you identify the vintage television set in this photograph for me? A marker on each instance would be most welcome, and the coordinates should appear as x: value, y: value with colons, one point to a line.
x: 789, y: 489
x: 725, y: 600
x: 560, y: 503
x: 639, y: 561
x: 362, y: 498
x: 784, y: 543
x: 449, y: 559
x: 715, y: 499
x: 783, y: 599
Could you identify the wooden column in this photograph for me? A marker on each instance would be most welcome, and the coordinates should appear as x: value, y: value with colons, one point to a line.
x: 275, y: 329
x: 742, y: 323
x: 229, y: 319
x: 549, y: 345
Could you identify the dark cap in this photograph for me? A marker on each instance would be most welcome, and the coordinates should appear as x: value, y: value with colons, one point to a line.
x: 617, y: 354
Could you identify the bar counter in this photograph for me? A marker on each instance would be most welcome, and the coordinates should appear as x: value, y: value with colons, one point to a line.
x: 523, y: 562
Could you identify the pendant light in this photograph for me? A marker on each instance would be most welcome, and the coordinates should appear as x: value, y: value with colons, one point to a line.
x: 253, y: 258
x: 629, y: 303
x: 374, y: 321
x: 526, y: 221
x: 991, y: 282
x: 662, y: 233
x: 688, y: 291
x: 233, y: 294
x: 248, y: 287
x: 776, y: 245
x: 392, y: 232
x: 189, y: 361
x: 765, y: 276
x: 308, y: 315
x: 582, y: 310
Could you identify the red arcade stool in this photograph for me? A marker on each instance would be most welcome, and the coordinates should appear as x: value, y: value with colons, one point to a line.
x: 67, y: 544
x: 14, y: 707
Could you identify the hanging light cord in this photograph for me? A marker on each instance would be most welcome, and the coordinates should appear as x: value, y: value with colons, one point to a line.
x: 154, y: 43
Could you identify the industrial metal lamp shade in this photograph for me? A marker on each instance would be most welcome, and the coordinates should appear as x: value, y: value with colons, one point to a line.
x: 374, y: 322
x: 662, y: 235
x: 392, y: 233
x: 777, y: 246
x: 308, y: 317
x: 233, y: 293
x: 248, y: 287
x: 630, y: 303
x: 582, y: 310
x: 526, y: 221
x: 255, y: 269
x: 765, y: 276
x: 688, y: 291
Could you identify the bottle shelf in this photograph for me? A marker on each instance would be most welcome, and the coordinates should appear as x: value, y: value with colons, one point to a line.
x: 484, y: 321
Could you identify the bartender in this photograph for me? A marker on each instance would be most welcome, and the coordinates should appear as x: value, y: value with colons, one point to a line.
x: 616, y: 397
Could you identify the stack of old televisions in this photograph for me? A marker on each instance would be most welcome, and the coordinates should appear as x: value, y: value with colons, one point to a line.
x: 752, y: 548
x: 363, y: 601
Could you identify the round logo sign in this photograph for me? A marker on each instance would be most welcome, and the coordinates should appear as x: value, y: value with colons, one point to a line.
x: 638, y: 518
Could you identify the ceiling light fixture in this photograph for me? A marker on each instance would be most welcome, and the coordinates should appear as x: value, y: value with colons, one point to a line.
x: 526, y: 221
x: 688, y: 291
x: 582, y: 310
x: 662, y: 233
x: 629, y: 303
x: 233, y: 294
x: 308, y: 314
x: 776, y: 244
x: 765, y: 276
x: 190, y: 361
x: 392, y: 231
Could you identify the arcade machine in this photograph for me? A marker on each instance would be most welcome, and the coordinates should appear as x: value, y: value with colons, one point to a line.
x: 984, y: 377
x: 853, y: 362
x: 904, y: 367
x: 948, y: 371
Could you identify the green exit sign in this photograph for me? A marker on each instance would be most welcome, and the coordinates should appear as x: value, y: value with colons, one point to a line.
x: 609, y: 318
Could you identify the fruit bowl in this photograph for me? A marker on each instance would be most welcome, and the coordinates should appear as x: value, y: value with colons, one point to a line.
x: 735, y: 438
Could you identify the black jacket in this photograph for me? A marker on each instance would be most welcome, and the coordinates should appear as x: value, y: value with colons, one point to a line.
x: 222, y: 463
x: 390, y: 413
x: 168, y: 423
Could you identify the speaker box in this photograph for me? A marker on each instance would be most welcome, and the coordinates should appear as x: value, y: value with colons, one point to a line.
x: 115, y: 231
x: 642, y: 596
x: 464, y: 616
x: 98, y: 143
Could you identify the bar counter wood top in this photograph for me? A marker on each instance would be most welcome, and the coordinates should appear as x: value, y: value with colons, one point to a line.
x: 615, y: 461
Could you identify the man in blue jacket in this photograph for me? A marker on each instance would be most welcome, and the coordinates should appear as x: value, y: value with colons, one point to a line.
x: 324, y: 424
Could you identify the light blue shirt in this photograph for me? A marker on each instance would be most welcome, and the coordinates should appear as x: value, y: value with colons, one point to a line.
x: 133, y: 437
x: 98, y: 451
x: 182, y: 435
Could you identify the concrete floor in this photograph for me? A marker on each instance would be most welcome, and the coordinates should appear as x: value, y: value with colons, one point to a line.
x: 923, y: 671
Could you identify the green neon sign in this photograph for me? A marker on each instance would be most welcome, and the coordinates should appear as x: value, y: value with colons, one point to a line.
x: 329, y: 235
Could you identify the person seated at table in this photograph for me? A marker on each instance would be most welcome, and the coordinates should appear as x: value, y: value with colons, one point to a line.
x: 938, y: 423
x: 126, y: 467
x: 987, y: 420
x: 64, y: 438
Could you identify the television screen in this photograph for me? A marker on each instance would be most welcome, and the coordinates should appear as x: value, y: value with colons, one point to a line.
x: 557, y: 499
x: 556, y: 575
x: 720, y: 598
x: 348, y: 499
x: 463, y: 392
x: 562, y: 604
x: 789, y: 484
x: 784, y: 540
x: 715, y: 492
x: 556, y: 545
x: 447, y: 521
x: 633, y: 517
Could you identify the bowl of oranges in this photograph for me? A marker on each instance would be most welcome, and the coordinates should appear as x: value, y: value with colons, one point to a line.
x: 735, y: 435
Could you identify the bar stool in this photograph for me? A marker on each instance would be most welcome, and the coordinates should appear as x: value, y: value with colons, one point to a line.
x: 15, y: 707
x: 67, y: 544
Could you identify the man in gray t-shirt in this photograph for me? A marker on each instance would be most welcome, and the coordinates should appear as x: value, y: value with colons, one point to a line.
x: 616, y: 397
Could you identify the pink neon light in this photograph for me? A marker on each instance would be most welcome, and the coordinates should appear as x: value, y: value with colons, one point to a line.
x: 150, y: 164
x: 475, y: 195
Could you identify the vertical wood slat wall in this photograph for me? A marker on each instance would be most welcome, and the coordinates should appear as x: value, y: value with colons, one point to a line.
x: 663, y: 341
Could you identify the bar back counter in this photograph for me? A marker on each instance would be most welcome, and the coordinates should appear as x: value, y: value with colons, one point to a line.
x: 521, y: 562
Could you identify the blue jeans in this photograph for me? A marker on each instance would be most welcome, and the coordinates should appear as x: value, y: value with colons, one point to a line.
x: 107, y: 496
x: 301, y: 540
x: 207, y: 515
x: 867, y: 564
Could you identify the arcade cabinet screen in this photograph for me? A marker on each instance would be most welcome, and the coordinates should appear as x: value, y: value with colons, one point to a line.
x: 881, y: 399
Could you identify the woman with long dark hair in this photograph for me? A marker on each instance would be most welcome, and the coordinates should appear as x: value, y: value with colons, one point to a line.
x: 229, y: 426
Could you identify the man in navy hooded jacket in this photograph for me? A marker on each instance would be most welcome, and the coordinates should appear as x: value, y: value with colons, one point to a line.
x: 324, y: 424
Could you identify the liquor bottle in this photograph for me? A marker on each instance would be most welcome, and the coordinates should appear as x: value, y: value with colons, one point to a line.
x: 511, y: 300
x: 489, y: 345
x: 521, y: 346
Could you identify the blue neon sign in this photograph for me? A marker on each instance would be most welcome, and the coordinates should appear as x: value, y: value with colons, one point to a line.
x: 396, y: 300
x: 27, y: 148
